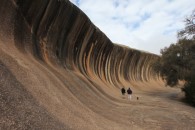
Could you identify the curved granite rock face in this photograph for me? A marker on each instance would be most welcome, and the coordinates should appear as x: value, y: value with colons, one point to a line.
x: 58, y: 41
x: 62, y: 34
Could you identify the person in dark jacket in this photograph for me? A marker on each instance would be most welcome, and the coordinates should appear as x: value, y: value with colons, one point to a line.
x: 123, y: 91
x: 129, y: 92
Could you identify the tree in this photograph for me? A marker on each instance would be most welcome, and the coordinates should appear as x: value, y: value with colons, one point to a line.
x: 189, y: 29
x: 178, y: 60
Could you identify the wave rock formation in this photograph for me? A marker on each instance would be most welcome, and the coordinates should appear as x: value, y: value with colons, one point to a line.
x: 59, y: 71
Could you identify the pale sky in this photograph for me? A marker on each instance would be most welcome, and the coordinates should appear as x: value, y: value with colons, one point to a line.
x: 148, y: 25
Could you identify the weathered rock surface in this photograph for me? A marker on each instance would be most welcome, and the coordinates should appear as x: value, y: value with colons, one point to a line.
x: 59, y: 71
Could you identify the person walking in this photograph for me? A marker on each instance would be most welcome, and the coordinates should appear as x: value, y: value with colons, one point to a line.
x: 123, y: 91
x: 129, y: 92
